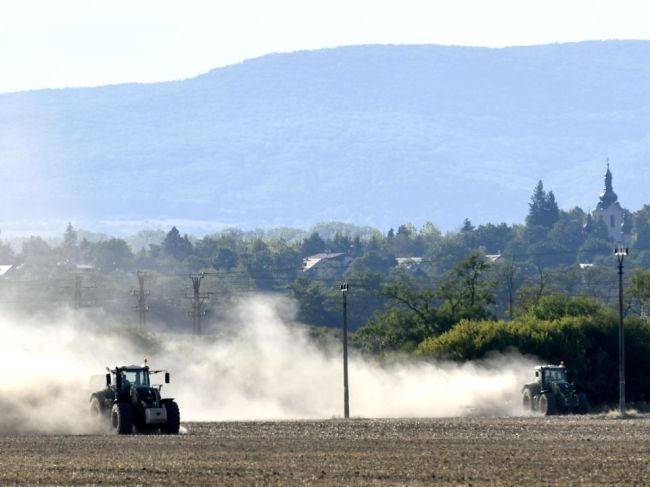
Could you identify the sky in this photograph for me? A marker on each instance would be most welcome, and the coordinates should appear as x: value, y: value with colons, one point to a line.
x: 51, y: 44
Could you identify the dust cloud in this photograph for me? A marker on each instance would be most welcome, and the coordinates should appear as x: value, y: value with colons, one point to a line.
x: 258, y: 364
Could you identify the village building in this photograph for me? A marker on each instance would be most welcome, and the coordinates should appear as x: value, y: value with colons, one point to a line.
x: 609, y: 211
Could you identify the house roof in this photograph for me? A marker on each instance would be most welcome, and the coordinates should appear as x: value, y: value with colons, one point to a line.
x: 312, y: 260
x: 408, y: 261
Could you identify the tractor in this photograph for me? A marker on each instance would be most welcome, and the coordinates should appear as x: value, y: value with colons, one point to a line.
x: 130, y: 401
x: 552, y: 393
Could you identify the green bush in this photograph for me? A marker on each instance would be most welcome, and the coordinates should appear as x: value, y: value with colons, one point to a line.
x: 579, y: 332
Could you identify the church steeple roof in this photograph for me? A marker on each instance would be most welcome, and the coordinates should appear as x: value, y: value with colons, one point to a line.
x: 607, y: 197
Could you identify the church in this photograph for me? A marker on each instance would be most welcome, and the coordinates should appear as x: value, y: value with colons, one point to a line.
x: 609, y: 211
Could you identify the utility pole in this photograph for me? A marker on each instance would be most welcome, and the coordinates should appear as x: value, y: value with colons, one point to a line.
x: 346, y: 391
x: 197, y: 298
x: 620, y: 254
x: 141, y: 295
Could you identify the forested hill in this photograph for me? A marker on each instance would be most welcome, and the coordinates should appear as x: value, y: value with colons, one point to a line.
x: 374, y: 135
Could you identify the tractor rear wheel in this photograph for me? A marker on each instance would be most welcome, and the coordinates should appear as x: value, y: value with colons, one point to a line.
x: 547, y: 404
x: 122, y: 419
x: 173, y: 424
x: 527, y: 400
x: 583, y: 403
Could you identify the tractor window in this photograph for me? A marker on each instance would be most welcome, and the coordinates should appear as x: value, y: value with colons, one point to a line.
x: 556, y: 375
x: 136, y: 377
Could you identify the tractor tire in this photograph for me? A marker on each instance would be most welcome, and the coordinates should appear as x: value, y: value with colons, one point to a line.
x: 527, y: 400
x: 122, y: 419
x: 547, y: 404
x: 95, y: 409
x: 583, y: 403
x: 173, y: 424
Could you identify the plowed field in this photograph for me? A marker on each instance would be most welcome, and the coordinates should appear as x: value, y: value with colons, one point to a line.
x: 570, y: 450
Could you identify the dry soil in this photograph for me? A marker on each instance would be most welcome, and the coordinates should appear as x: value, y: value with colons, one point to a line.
x: 570, y: 450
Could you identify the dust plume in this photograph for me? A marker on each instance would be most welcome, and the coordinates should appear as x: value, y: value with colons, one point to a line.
x: 257, y: 364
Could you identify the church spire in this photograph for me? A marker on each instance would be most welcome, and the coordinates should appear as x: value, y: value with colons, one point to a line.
x: 607, y: 197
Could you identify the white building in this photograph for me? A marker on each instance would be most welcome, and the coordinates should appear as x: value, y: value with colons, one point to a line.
x: 609, y: 211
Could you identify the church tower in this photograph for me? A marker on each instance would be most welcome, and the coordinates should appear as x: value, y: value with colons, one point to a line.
x: 609, y: 211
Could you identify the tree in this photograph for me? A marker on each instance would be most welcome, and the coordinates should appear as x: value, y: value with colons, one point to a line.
x: 551, y: 209
x: 37, y: 253
x: 313, y: 244
x: 373, y: 262
x: 467, y: 232
x: 340, y: 243
x: 493, y: 238
x: 543, y: 210
x: 639, y: 292
x: 69, y: 249
x: 642, y: 228
x: 224, y: 259
x: 410, y: 317
x: 110, y: 255
x: 177, y: 246
x: 466, y: 292
x: 70, y: 236
x: 532, y: 290
x: 567, y: 233
x: 315, y: 304
x: 6, y: 253
x: 429, y: 235
x: 467, y: 226
x: 507, y: 275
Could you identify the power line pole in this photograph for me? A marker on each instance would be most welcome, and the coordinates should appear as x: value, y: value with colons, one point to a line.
x: 346, y: 391
x: 141, y: 294
x: 620, y: 254
x: 197, y: 298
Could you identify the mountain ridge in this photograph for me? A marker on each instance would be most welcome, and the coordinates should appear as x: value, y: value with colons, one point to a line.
x: 374, y: 135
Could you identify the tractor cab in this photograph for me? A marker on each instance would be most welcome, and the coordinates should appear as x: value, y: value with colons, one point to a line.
x: 547, y: 375
x: 121, y: 378
x: 132, y: 375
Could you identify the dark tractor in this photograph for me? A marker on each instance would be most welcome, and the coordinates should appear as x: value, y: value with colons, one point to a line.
x: 130, y: 401
x: 552, y: 393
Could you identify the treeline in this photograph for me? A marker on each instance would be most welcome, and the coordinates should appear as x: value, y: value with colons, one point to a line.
x: 409, y: 287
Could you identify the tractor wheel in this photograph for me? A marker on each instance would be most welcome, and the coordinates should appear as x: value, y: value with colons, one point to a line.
x: 583, y: 403
x: 122, y: 419
x: 95, y: 408
x: 173, y: 424
x: 527, y: 400
x: 547, y: 404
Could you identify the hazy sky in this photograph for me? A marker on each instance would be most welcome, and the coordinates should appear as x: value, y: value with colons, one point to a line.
x: 48, y: 43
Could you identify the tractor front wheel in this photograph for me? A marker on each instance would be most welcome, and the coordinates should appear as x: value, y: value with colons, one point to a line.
x: 173, y: 424
x: 547, y: 404
x: 122, y: 419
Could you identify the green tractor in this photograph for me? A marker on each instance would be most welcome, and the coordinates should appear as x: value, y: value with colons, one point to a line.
x: 552, y: 393
x: 130, y: 401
